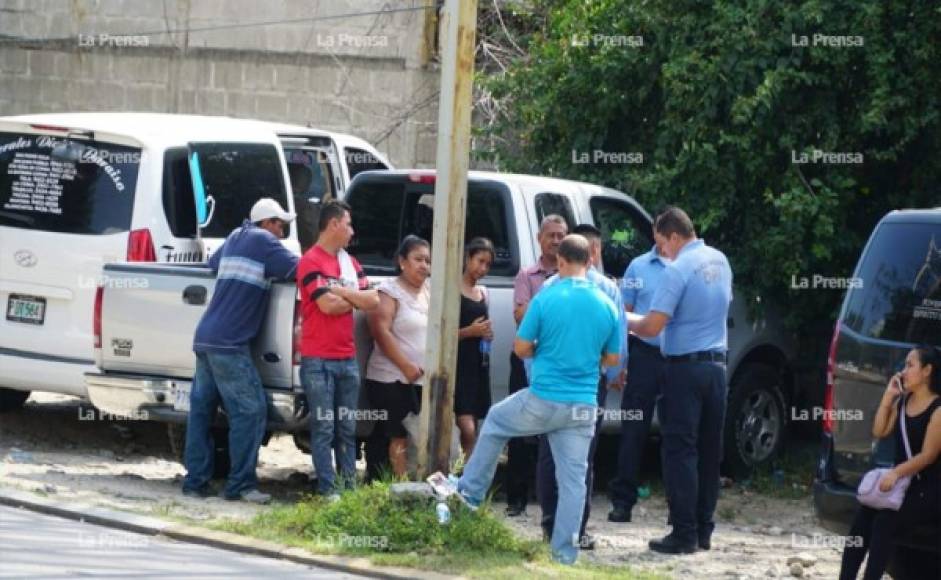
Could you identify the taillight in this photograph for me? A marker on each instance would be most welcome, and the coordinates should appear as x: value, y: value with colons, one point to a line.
x: 421, y: 177
x: 296, y: 342
x: 99, y: 295
x: 140, y: 247
x: 828, y: 410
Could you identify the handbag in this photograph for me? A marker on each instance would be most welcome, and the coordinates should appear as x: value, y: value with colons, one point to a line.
x: 869, y: 493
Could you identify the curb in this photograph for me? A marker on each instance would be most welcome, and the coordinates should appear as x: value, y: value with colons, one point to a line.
x: 213, y: 538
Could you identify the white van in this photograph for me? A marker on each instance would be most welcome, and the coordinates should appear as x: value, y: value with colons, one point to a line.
x: 79, y: 190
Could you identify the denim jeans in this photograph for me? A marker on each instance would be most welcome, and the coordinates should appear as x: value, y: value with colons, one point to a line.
x: 332, y: 388
x: 233, y: 381
x: 569, y: 428
x: 546, y: 487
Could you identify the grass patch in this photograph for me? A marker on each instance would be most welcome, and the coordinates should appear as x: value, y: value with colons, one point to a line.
x: 368, y: 522
x: 789, y: 477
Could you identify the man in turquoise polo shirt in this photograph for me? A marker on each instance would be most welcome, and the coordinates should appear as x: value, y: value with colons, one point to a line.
x: 562, y: 399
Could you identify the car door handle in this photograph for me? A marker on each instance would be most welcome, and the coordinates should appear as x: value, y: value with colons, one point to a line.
x: 195, y: 295
x: 271, y: 357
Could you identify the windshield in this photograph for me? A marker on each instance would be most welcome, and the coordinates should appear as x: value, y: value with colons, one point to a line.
x: 94, y: 194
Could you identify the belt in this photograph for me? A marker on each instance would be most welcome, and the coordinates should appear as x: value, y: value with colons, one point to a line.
x: 639, y: 345
x: 716, y: 356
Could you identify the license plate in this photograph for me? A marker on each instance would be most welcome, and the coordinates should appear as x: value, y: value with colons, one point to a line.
x: 28, y: 309
x: 181, y: 397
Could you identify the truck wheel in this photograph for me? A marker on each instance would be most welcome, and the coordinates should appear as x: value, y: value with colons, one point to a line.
x: 754, y: 420
x: 176, y: 433
x: 12, y: 400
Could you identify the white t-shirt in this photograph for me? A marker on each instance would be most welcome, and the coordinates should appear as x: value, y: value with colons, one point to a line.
x: 409, y: 328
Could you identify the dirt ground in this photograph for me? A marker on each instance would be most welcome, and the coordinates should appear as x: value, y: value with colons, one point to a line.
x: 58, y: 447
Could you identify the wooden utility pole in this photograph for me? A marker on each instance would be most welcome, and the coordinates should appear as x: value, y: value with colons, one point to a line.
x: 454, y: 120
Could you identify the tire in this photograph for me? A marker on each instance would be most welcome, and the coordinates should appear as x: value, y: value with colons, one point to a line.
x: 755, y: 420
x: 12, y: 400
x: 176, y: 435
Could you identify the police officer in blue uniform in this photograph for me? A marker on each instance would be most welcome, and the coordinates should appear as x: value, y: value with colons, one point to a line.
x: 645, y: 369
x: 691, y: 308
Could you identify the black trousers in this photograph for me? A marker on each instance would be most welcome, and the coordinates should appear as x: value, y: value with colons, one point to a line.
x: 546, y: 486
x: 521, y: 451
x: 875, y: 531
x: 692, y: 413
x: 644, y: 377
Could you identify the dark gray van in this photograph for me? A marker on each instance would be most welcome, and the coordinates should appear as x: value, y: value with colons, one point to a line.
x: 894, y: 304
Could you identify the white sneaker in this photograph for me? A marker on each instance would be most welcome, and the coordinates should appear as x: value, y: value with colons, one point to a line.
x: 333, y: 498
x: 255, y: 496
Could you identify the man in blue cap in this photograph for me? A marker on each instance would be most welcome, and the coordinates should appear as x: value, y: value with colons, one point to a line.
x: 691, y: 308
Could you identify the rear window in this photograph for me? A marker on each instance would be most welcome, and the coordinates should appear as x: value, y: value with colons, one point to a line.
x: 384, y: 213
x: 358, y: 161
x: 93, y: 193
x: 900, y: 298
x: 237, y: 175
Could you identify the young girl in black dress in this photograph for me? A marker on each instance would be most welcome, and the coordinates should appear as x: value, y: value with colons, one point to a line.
x: 919, y: 386
x: 472, y: 389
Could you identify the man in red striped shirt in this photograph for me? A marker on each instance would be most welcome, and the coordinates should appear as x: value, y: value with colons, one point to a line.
x: 332, y: 284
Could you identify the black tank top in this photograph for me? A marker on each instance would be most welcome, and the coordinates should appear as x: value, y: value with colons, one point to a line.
x: 917, y: 429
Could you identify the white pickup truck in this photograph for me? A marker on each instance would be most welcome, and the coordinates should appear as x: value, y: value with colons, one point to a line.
x: 144, y: 326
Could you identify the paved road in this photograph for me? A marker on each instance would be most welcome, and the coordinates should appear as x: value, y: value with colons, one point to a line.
x: 34, y: 545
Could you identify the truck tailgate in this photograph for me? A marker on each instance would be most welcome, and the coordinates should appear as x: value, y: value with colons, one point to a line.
x: 149, y: 314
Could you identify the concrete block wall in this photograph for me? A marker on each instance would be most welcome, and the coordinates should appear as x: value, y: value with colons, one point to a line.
x: 307, y: 62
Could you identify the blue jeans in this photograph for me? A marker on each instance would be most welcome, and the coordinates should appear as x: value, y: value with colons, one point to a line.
x: 233, y: 381
x: 569, y: 428
x: 332, y: 388
x: 546, y: 487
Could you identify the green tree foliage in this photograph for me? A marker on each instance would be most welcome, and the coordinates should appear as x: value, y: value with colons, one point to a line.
x: 722, y: 100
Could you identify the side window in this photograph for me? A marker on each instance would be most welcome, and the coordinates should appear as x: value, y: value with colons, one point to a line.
x: 237, y: 175
x: 384, y: 213
x: 358, y: 161
x: 178, y: 203
x: 625, y: 233
x: 311, y: 183
x: 488, y: 215
x: 554, y: 203
x: 376, y: 209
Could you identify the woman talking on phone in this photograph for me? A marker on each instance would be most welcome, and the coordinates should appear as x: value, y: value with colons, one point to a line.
x: 915, y: 391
